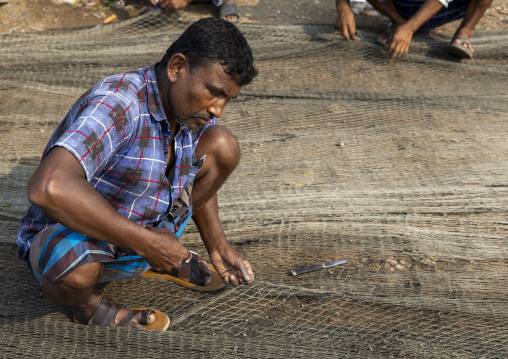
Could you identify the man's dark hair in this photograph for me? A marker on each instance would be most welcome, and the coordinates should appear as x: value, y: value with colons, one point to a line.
x: 214, y: 40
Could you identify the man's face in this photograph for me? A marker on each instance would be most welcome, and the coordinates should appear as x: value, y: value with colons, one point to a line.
x: 197, y: 96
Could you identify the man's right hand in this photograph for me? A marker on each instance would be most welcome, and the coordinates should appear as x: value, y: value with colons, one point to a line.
x: 165, y: 252
x: 345, y: 20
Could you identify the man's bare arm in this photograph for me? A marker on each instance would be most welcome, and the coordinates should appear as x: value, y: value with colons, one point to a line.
x: 345, y: 20
x: 233, y: 267
x: 59, y: 187
x: 399, y: 44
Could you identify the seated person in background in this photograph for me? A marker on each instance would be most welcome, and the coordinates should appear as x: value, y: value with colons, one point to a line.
x: 227, y: 8
x: 408, y: 16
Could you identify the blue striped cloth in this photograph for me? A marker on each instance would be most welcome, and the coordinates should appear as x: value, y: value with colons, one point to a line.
x: 57, y: 251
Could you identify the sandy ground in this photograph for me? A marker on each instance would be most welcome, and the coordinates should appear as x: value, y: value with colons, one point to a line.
x: 18, y: 16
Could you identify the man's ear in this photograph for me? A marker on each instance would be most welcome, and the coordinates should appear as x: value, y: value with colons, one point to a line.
x: 176, y: 64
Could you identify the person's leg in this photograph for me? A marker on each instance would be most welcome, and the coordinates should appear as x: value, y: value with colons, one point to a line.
x: 228, y: 10
x: 175, y: 5
x: 474, y: 12
x: 170, y: 5
x: 222, y: 156
x: 388, y: 9
x: 68, y: 265
x: 232, y: 15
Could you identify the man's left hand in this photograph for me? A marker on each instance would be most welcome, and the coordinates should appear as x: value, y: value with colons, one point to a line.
x: 231, y: 265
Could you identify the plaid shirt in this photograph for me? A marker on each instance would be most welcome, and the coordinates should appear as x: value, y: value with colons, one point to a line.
x: 118, y: 132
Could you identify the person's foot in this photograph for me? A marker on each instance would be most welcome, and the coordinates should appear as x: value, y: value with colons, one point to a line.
x: 385, y: 37
x: 102, y: 308
x: 460, y: 46
x: 467, y: 44
x: 229, y: 12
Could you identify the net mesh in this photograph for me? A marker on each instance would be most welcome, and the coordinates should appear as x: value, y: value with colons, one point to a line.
x: 399, y: 168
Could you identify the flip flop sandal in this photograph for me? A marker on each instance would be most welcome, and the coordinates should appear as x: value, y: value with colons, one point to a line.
x: 204, y: 281
x: 227, y: 9
x: 107, y: 311
x: 460, y: 50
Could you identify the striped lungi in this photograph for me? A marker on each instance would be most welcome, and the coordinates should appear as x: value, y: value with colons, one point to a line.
x: 57, y: 250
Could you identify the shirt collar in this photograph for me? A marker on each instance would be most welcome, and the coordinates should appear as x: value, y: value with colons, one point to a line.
x: 154, y: 100
x: 153, y: 95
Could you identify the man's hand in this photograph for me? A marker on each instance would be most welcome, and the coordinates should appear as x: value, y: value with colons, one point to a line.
x: 170, y: 5
x: 231, y: 265
x: 399, y: 42
x: 165, y: 252
x: 345, y: 20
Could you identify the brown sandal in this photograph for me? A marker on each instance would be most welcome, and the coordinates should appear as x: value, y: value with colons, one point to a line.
x: 107, y: 311
x: 190, y: 274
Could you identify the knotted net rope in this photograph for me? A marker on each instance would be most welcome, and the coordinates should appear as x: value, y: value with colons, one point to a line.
x: 399, y: 168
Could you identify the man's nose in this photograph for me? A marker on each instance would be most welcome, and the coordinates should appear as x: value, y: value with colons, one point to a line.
x: 217, y: 107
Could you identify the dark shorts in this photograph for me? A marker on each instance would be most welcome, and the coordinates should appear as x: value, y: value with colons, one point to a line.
x: 57, y: 251
x: 456, y: 10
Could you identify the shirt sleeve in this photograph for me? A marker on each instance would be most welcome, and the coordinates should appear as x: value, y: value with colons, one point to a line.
x: 94, y: 130
x: 445, y: 3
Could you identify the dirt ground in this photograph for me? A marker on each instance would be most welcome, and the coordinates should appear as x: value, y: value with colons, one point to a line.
x: 18, y: 16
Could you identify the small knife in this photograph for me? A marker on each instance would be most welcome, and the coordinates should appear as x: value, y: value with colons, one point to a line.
x: 302, y: 270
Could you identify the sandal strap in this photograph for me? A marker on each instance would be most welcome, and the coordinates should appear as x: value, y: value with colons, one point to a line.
x: 128, y: 318
x: 197, y: 277
x: 195, y: 270
x: 132, y: 313
x: 462, y: 39
x: 176, y: 271
x: 105, y: 313
x: 200, y: 279
x: 144, y: 316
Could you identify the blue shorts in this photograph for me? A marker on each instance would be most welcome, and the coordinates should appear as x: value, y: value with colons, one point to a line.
x: 456, y: 10
x: 56, y: 251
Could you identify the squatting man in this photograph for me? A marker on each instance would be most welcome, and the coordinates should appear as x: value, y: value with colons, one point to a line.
x: 137, y: 156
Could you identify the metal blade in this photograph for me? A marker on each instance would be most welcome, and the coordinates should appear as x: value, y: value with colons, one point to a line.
x: 302, y: 270
x: 334, y: 263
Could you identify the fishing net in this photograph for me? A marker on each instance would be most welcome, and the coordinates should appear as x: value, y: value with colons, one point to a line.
x: 400, y: 168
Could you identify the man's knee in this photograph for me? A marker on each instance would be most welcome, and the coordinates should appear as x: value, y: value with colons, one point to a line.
x: 84, y: 276
x: 219, y: 142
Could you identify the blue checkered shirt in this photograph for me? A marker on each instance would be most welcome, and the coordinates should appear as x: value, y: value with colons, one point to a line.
x: 118, y: 132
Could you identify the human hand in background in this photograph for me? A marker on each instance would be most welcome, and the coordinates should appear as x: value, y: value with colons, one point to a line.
x: 398, y: 44
x: 345, y: 20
